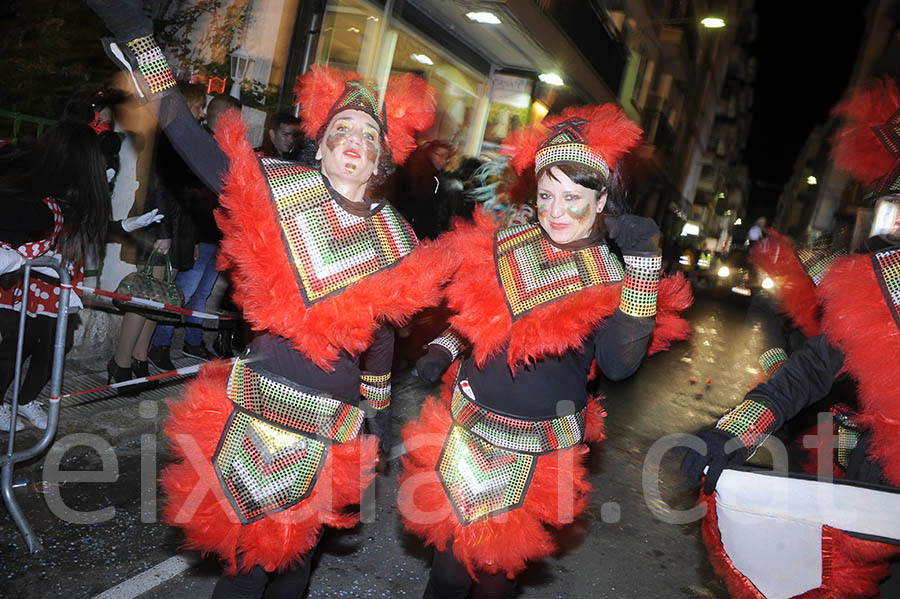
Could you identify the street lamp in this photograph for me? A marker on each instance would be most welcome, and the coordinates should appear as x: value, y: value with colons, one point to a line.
x: 240, y: 62
x: 811, y: 180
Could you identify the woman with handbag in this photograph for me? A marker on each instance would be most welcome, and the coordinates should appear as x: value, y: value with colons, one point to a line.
x: 171, y: 241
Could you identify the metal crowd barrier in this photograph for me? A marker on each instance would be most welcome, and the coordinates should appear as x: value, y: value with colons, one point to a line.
x: 12, y: 457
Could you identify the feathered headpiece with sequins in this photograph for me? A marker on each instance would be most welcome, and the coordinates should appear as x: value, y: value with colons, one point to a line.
x: 868, y: 145
x: 408, y: 106
x: 594, y: 136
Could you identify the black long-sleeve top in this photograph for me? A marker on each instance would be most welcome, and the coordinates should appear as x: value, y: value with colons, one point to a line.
x: 618, y: 344
x: 804, y: 379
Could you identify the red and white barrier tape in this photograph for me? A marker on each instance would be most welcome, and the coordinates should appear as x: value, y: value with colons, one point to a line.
x: 153, y: 377
x: 154, y: 305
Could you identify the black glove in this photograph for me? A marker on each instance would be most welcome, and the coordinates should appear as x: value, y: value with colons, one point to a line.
x: 433, y: 364
x: 633, y: 234
x: 723, y: 450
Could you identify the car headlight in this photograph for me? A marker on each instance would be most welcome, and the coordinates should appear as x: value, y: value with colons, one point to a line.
x: 724, y: 272
x: 768, y: 283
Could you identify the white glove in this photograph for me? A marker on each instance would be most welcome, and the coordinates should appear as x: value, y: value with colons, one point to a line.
x: 10, y: 260
x: 139, y: 222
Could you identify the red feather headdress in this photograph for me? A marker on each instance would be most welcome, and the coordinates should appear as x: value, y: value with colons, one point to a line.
x: 408, y: 105
x: 594, y: 136
x: 868, y: 145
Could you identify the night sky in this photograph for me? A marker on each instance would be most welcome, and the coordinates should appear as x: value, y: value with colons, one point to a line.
x: 805, y: 53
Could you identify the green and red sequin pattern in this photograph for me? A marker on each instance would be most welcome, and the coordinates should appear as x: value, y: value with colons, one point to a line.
x: 526, y: 436
x: 329, y: 247
x: 751, y: 421
x: 772, y: 359
x: 152, y: 63
x: 376, y: 389
x: 566, y: 144
x: 889, y: 135
x: 887, y: 271
x: 360, y: 96
x: 289, y: 405
x: 641, y: 285
x: 276, y: 441
x: 816, y: 258
x: 532, y: 271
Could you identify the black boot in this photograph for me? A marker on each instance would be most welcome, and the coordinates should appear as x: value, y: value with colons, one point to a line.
x: 117, y: 374
x: 140, y: 368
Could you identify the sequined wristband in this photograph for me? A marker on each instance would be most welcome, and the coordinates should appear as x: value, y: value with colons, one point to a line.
x: 450, y: 341
x: 751, y: 421
x: 772, y: 359
x: 641, y: 285
x: 152, y: 63
x: 376, y: 389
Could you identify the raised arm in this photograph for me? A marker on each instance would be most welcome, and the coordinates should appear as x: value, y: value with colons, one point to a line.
x: 135, y: 51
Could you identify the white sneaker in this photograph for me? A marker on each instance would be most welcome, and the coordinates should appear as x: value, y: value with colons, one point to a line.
x: 6, y: 416
x: 34, y: 412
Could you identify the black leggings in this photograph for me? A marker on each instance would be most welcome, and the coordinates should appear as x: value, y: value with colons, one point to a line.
x: 449, y: 579
x: 40, y: 333
x: 257, y: 583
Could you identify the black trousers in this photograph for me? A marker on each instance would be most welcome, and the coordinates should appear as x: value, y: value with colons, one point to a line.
x: 449, y: 579
x: 257, y: 583
x: 38, y: 343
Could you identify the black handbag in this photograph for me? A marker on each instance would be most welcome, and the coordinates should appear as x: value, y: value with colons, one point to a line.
x: 142, y: 284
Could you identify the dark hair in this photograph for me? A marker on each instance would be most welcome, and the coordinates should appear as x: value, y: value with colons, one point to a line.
x: 192, y: 92
x: 217, y: 106
x: 283, y: 118
x: 66, y: 164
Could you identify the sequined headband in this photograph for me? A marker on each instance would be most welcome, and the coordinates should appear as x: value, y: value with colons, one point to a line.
x: 358, y: 96
x: 570, y: 152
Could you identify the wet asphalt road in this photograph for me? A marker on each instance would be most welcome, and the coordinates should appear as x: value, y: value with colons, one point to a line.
x: 618, y: 549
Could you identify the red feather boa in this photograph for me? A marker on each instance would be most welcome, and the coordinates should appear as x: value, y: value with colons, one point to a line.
x: 195, y: 501
x: 857, y: 320
x: 265, y: 286
x: 504, y: 543
x: 851, y: 568
x: 796, y: 291
x: 483, y: 318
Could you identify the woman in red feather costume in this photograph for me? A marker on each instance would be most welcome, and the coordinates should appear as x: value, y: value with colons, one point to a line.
x: 498, y: 462
x: 860, y: 323
x: 271, y: 450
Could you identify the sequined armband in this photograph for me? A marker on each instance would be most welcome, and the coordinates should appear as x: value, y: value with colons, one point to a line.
x: 376, y: 389
x: 152, y: 64
x: 772, y: 359
x: 451, y: 341
x: 751, y: 421
x: 641, y: 285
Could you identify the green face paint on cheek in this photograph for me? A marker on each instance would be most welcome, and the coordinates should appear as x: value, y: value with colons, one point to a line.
x: 577, y: 212
x: 334, y: 140
x: 371, y: 151
x: 543, y: 209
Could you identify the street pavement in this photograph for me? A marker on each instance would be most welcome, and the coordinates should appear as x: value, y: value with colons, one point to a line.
x: 620, y: 548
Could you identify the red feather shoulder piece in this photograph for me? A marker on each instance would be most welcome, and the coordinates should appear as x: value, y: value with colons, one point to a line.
x: 857, y: 319
x: 554, y: 328
x: 796, y: 291
x: 265, y: 286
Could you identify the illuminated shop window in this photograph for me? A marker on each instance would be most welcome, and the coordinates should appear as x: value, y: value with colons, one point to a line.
x: 353, y: 37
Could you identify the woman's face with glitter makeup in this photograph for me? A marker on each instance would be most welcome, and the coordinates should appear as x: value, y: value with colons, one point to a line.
x: 350, y: 148
x: 566, y: 210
